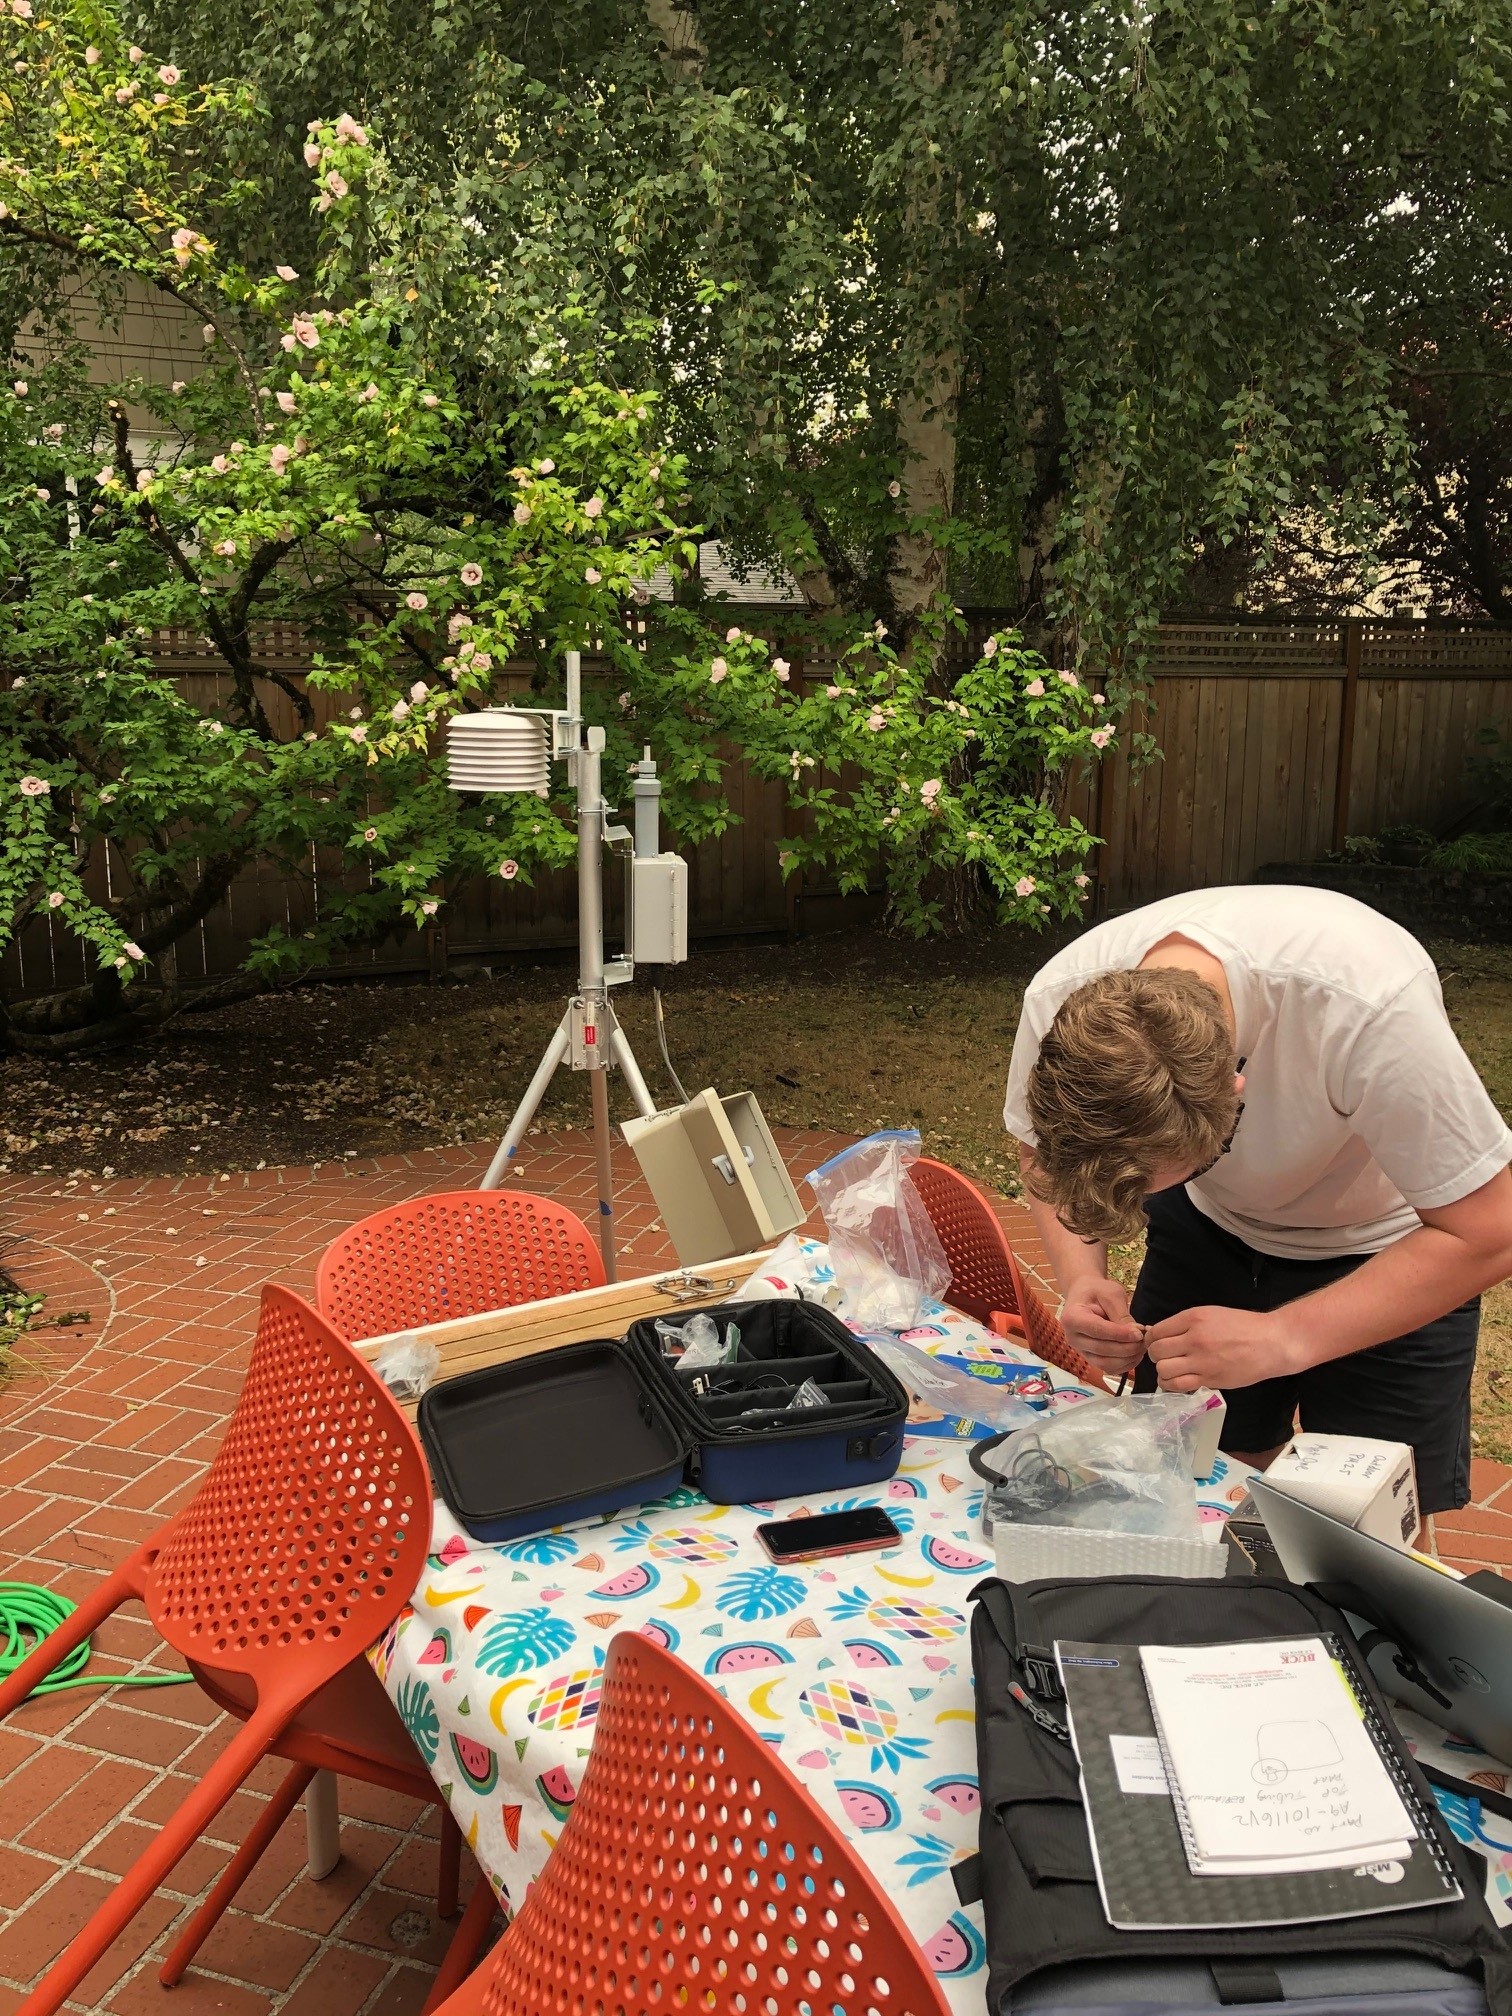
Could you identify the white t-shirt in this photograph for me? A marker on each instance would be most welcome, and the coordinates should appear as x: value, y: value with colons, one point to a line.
x: 1360, y: 1107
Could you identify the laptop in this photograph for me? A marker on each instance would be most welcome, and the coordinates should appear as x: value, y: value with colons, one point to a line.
x: 1447, y: 1649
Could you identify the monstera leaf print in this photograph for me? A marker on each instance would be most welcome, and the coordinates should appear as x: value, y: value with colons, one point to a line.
x: 417, y: 1711
x: 755, y: 1593
x: 522, y: 1641
x: 542, y: 1550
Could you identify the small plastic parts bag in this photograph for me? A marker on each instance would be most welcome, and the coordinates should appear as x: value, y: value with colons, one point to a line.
x: 885, y: 1252
x: 947, y: 1391
x: 809, y: 1394
x: 1125, y: 1467
x: 408, y: 1367
x: 695, y: 1343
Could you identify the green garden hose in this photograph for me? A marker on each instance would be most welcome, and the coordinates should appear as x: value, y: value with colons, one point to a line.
x: 27, y: 1614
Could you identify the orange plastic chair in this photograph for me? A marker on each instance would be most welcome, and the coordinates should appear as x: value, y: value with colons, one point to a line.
x: 301, y: 1547
x: 454, y: 1254
x: 986, y: 1280
x: 696, y: 1873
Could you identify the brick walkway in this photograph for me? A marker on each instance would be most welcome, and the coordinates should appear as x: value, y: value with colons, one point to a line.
x: 106, y: 1438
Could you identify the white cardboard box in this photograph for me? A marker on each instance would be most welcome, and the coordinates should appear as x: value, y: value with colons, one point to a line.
x: 1370, y: 1485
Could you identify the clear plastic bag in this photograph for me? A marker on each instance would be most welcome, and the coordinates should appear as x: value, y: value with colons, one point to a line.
x: 948, y: 1391
x: 695, y: 1344
x: 1121, y: 1468
x: 809, y: 1394
x: 408, y: 1367
x: 885, y: 1252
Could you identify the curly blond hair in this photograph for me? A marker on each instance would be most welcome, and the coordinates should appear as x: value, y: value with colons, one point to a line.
x: 1135, y: 1075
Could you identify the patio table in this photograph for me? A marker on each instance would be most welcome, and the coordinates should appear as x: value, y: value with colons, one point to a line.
x: 857, y: 1670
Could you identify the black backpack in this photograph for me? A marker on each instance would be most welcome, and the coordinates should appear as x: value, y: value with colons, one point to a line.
x: 1035, y: 1876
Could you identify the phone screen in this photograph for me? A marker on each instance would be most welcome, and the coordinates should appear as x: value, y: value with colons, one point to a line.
x: 829, y: 1533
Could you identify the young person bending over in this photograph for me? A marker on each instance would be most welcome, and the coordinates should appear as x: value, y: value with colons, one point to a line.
x: 1268, y: 1076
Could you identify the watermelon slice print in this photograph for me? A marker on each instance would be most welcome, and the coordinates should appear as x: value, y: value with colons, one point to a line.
x: 512, y: 1825
x: 557, y: 1791
x: 476, y: 1762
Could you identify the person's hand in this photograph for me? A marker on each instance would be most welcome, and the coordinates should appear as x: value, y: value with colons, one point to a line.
x: 1095, y: 1317
x: 1220, y: 1347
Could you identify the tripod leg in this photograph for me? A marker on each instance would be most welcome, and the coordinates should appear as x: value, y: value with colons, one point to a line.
x: 599, y: 1082
x: 635, y: 1084
x: 526, y: 1111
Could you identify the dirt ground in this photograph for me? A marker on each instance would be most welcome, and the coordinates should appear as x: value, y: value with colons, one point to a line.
x: 842, y: 1032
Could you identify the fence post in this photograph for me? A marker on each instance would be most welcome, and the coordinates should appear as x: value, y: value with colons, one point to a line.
x: 1354, y: 637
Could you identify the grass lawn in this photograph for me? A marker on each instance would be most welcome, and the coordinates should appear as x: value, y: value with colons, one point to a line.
x: 852, y: 1033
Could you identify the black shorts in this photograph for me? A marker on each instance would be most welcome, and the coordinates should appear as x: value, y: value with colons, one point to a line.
x: 1413, y: 1389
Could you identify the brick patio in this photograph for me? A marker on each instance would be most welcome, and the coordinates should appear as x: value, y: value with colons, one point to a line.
x: 106, y: 1438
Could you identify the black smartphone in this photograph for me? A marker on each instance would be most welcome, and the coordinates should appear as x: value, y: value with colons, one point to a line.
x: 858, y: 1532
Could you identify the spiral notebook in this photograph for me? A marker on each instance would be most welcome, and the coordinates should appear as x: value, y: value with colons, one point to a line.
x: 1270, y: 1762
x: 1143, y: 1873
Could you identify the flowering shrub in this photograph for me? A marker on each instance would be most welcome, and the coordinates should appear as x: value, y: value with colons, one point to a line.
x: 334, y: 464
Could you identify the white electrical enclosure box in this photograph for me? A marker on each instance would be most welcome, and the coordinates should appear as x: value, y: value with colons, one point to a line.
x: 718, y: 1180
x: 659, y: 909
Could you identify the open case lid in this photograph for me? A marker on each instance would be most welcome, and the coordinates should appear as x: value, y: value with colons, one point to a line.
x: 718, y: 1180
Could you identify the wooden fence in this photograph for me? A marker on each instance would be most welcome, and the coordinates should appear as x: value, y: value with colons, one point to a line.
x: 1277, y: 740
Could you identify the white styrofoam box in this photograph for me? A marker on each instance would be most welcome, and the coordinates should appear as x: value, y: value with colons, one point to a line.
x: 1369, y: 1485
x: 1040, y: 1553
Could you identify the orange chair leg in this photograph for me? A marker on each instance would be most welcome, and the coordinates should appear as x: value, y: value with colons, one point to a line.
x: 449, y: 1875
x: 236, y: 1872
x: 463, y: 1950
x: 115, y: 1590
x: 246, y: 1748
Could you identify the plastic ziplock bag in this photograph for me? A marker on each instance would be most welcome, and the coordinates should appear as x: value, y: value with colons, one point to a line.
x: 1125, y: 1467
x: 948, y: 1391
x: 787, y: 1274
x: 407, y: 1367
x: 695, y: 1344
x: 885, y: 1252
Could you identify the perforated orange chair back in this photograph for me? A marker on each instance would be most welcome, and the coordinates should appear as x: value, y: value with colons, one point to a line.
x: 985, y: 1277
x: 457, y: 1253
x: 695, y: 1874
x: 310, y: 1531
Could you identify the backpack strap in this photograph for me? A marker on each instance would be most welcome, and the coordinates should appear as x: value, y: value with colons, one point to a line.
x: 1245, y: 1981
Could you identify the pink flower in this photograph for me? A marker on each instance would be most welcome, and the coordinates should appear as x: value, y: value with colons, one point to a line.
x: 624, y: 702
x: 522, y: 513
x: 286, y: 402
x: 305, y: 331
x: 1035, y: 689
x: 989, y: 649
x: 286, y: 273
x: 415, y: 600
x: 732, y: 635
x: 466, y: 649
x: 359, y: 733
x: 125, y: 93
x: 136, y: 54
x: 471, y: 575
x: 55, y: 898
x: 1099, y: 699
x: 337, y: 184
x: 592, y: 576
x: 368, y: 392
x: 91, y: 55
x: 929, y: 791
x: 105, y: 477
x: 1101, y: 737
x: 55, y: 432
x: 227, y: 547
x: 594, y: 508
x: 429, y: 399
x: 133, y: 951
x: 419, y: 691
x: 545, y: 465
x: 879, y: 631
x: 717, y: 671
x: 278, y: 458
x: 348, y: 129
x: 482, y: 662
x: 311, y: 154
x: 1025, y: 886
x: 1068, y: 678
x: 429, y: 907
x: 370, y: 833
x: 832, y: 692
x: 1082, y: 881
x: 509, y: 870
x: 169, y: 73
x: 782, y: 669
x: 34, y: 787
x: 286, y: 342
x: 876, y: 721
x: 43, y: 496
x: 20, y: 388
x: 895, y: 489
x: 219, y: 464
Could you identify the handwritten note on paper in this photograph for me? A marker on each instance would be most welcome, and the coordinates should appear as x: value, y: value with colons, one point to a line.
x: 1270, y: 1760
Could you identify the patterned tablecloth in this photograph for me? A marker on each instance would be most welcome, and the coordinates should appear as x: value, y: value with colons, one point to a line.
x: 857, y: 1670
